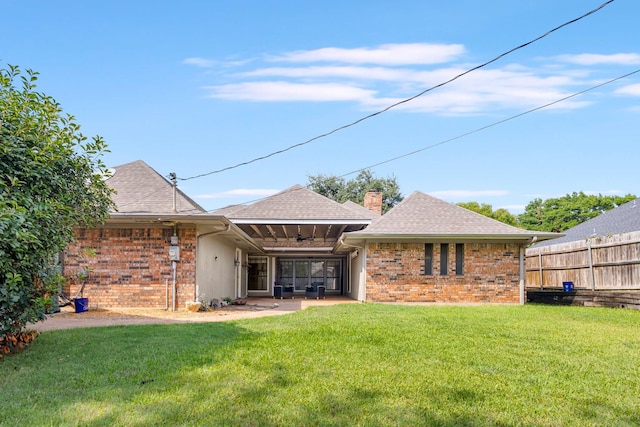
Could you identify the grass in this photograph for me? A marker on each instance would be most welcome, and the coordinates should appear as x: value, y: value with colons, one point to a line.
x: 365, y: 364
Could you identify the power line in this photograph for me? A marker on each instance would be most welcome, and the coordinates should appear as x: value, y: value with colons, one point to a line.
x: 493, y: 124
x: 480, y: 129
x: 324, y: 135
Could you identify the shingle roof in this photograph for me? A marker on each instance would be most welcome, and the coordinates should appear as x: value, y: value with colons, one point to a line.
x: 297, y: 203
x: 142, y: 190
x: 422, y: 215
x: 360, y: 209
x: 623, y: 219
x: 228, y: 210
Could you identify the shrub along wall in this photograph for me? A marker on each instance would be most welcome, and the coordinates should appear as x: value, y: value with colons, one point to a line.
x: 396, y: 273
x: 130, y: 267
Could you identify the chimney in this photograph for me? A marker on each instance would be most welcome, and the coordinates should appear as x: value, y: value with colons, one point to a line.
x: 373, y: 202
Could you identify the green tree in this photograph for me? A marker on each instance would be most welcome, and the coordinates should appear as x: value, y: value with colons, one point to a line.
x: 485, y: 209
x: 338, y: 189
x: 51, y: 181
x: 562, y: 213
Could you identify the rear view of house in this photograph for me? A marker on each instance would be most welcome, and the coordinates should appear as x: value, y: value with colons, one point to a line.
x: 161, y: 249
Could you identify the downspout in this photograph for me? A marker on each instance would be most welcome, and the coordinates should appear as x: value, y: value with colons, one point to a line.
x: 174, y: 275
x: 210, y: 233
x: 166, y: 291
x: 173, y: 284
x: 522, y: 274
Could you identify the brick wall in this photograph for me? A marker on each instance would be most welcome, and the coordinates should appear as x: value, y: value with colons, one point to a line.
x: 395, y: 273
x: 129, y: 267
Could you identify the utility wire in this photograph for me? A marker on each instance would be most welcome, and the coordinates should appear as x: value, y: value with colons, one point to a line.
x: 324, y: 135
x: 557, y: 101
x: 493, y: 124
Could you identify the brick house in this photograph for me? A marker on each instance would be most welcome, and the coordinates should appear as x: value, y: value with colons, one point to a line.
x: 162, y: 250
x: 428, y: 250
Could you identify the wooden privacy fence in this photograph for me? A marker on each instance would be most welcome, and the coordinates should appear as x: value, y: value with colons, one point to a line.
x: 598, y: 263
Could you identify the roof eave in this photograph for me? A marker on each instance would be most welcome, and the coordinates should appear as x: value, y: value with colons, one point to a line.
x: 300, y: 221
x: 524, y: 237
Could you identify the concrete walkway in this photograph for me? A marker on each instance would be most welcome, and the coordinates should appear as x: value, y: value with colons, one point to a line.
x: 255, y: 307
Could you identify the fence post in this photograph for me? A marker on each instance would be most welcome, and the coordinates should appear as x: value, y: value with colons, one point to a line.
x: 540, y: 265
x: 591, y: 274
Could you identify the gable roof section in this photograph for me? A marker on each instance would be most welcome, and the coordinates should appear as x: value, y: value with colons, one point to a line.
x: 422, y: 216
x: 142, y: 190
x: 228, y: 210
x: 297, y: 204
x: 360, y: 209
x: 623, y: 219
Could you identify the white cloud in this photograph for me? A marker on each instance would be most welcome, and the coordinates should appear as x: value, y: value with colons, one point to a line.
x: 285, y: 91
x: 467, y: 194
x: 386, y: 54
x: 364, y: 73
x: 633, y: 90
x: 595, y: 59
x: 240, y: 192
x: 199, y: 62
x: 380, y: 76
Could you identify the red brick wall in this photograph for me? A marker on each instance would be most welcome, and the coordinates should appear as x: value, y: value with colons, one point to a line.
x: 395, y: 273
x: 129, y: 267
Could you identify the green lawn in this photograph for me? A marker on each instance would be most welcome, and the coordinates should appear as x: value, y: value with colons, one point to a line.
x: 353, y: 364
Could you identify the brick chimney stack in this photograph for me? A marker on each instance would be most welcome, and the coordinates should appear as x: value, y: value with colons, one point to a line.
x: 373, y: 202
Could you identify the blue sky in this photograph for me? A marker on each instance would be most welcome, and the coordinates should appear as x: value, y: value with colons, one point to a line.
x: 197, y: 86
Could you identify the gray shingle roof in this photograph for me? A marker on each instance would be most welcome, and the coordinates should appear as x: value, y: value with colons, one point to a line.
x: 422, y: 215
x: 297, y: 203
x: 360, y: 209
x: 623, y: 219
x: 142, y: 190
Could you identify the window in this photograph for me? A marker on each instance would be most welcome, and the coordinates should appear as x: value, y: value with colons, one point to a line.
x: 459, y: 259
x: 444, y: 259
x: 428, y: 259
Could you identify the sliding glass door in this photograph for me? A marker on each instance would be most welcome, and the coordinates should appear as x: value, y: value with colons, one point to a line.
x: 303, y: 272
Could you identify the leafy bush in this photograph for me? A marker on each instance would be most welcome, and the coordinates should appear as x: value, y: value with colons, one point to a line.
x: 51, y: 181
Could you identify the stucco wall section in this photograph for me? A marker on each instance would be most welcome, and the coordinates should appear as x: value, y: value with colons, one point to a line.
x: 130, y: 267
x: 395, y: 273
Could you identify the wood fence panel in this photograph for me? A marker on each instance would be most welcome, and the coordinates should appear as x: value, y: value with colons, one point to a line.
x: 599, y: 263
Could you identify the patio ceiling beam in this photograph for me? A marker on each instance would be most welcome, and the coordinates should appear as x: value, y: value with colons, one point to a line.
x: 313, y: 233
x: 326, y: 235
x: 284, y: 231
x: 257, y: 230
x: 272, y: 232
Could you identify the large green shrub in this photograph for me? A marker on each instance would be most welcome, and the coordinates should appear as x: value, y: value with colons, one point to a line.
x: 51, y: 181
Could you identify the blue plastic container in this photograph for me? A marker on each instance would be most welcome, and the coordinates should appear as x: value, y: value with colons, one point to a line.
x: 81, y: 304
x: 567, y: 286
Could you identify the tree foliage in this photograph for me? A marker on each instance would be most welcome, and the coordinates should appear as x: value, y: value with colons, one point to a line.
x: 336, y: 188
x: 562, y: 213
x: 555, y: 214
x: 51, y: 181
x: 501, y: 214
